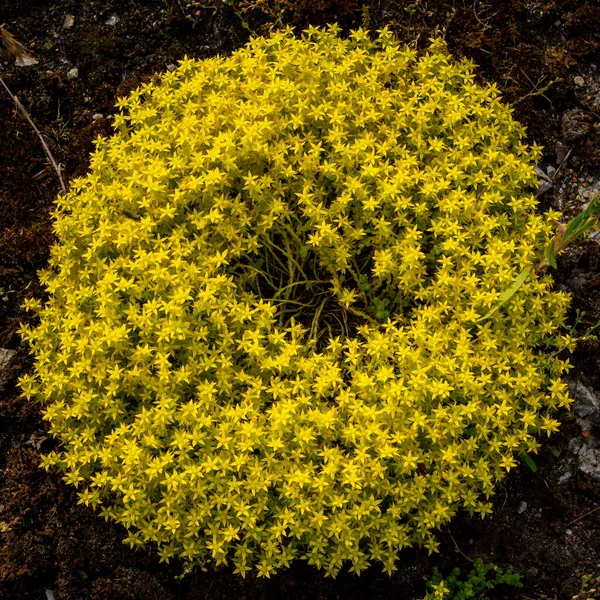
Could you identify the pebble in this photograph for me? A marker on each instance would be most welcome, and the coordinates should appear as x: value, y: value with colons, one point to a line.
x: 579, y: 81
x: 575, y: 445
x: 25, y: 61
x: 564, y: 478
x: 5, y: 357
x: 586, y: 402
x: 569, y: 532
x: 589, y: 461
x: 522, y: 507
x: 73, y: 73
x: 97, y: 116
x: 112, y: 20
x: 171, y: 67
x: 49, y: 595
x: 69, y: 21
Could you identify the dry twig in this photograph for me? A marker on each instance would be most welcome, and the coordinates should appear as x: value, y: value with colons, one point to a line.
x: 23, y: 58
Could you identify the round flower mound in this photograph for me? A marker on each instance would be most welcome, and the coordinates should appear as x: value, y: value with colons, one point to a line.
x: 263, y: 339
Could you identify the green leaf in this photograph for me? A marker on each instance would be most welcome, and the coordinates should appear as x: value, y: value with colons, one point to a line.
x: 572, y: 226
x: 528, y: 461
x: 584, y: 221
x: 509, y: 292
x: 551, y: 254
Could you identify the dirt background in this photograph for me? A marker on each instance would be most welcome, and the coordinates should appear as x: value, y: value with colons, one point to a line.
x: 545, y: 58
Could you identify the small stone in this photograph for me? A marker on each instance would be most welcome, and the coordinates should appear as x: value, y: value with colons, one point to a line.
x: 171, y: 67
x: 73, y: 73
x: 586, y: 401
x: 69, y: 21
x: 569, y: 532
x: 25, y: 60
x: 5, y: 357
x: 564, y: 478
x: 49, y: 595
x: 522, y: 507
x: 589, y: 461
x: 575, y: 445
x: 579, y: 81
x: 97, y: 116
x: 112, y: 20
x: 551, y: 171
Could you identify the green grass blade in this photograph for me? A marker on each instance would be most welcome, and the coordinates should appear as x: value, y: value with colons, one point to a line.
x: 509, y: 292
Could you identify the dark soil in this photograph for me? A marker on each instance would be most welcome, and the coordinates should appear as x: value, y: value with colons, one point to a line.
x: 542, y: 55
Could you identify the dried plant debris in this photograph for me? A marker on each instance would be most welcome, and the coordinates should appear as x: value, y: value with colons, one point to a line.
x: 22, y: 57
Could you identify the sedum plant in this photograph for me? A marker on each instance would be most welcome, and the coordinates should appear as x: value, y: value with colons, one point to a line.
x: 263, y: 339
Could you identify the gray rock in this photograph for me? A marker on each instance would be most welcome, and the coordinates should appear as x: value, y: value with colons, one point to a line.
x: 69, y: 21
x: 589, y: 461
x: 564, y: 478
x: 586, y: 401
x: 25, y: 60
x: 575, y: 445
x: 579, y: 81
x: 73, y: 73
x: 112, y: 20
x: 522, y: 507
x: 5, y: 358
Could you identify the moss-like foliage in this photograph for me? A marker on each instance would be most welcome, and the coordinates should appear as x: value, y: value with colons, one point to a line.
x: 262, y: 338
x: 483, y: 579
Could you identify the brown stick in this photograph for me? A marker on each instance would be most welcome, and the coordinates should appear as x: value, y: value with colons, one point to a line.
x: 46, y: 149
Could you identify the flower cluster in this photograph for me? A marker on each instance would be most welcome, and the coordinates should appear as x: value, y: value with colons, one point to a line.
x: 262, y: 339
